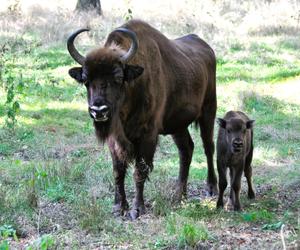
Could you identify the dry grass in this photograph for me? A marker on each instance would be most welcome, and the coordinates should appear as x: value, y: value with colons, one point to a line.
x: 219, y: 22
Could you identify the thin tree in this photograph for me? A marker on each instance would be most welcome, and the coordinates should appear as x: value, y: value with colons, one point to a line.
x: 87, y: 5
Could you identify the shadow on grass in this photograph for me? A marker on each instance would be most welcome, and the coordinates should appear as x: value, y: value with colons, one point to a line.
x: 277, y: 123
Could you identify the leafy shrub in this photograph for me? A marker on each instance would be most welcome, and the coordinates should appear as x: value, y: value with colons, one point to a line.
x: 190, y: 235
x: 43, y: 243
x: 7, y: 231
x: 256, y: 216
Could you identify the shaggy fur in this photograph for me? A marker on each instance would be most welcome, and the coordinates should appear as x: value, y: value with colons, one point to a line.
x: 166, y: 86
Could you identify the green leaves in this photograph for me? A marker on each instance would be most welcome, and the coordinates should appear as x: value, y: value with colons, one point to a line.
x: 13, y: 86
x: 272, y: 226
x: 256, y: 216
x: 6, y: 231
x: 191, y: 234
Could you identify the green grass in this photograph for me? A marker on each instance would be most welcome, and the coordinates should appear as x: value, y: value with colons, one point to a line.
x: 52, y: 158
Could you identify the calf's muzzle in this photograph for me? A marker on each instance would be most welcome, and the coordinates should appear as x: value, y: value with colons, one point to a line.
x: 237, y: 145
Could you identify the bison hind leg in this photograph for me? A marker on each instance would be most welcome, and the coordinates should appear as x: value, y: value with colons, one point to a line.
x: 206, y: 123
x: 185, y: 147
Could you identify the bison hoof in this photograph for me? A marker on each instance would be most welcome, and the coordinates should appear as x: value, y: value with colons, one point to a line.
x: 120, y: 210
x: 251, y: 195
x: 179, y: 195
x: 220, y: 204
x: 212, y: 189
x: 134, y: 214
x: 137, y: 212
x: 237, y: 208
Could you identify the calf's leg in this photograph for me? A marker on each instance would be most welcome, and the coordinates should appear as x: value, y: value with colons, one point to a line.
x: 248, y: 174
x: 185, y: 147
x: 222, y: 169
x: 236, y: 187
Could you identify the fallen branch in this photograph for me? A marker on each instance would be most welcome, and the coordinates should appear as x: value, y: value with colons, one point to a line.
x: 282, y: 237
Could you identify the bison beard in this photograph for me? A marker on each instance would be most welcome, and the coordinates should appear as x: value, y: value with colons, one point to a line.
x: 103, y: 130
x: 112, y: 132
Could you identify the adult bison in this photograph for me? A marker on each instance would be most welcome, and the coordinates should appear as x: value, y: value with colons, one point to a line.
x: 140, y: 85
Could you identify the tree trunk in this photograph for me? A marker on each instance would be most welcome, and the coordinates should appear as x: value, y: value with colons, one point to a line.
x: 86, y: 5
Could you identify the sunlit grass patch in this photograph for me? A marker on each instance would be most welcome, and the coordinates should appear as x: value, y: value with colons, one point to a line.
x: 198, y: 173
x: 265, y: 155
x: 204, y: 210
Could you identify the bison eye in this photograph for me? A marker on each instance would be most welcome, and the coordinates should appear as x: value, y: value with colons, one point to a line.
x: 103, y: 85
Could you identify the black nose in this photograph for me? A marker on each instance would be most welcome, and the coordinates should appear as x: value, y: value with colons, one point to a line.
x: 237, y: 144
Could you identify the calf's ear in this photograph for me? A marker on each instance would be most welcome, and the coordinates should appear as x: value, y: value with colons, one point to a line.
x: 132, y: 71
x: 249, y: 124
x: 221, y: 122
x: 77, y: 74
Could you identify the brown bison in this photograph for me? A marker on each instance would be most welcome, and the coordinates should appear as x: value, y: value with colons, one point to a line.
x: 235, y: 150
x: 140, y: 85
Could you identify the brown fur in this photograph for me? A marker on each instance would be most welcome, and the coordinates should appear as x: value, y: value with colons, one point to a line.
x: 234, y: 151
x: 176, y: 88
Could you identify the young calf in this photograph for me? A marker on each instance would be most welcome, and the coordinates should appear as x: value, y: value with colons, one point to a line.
x: 234, y: 150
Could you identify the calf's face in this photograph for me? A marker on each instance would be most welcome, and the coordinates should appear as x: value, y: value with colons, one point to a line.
x: 235, y: 131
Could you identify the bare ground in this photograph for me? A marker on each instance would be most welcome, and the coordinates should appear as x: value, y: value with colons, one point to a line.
x: 57, y: 219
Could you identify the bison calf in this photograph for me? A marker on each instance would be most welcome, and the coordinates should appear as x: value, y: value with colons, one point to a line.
x: 234, y: 150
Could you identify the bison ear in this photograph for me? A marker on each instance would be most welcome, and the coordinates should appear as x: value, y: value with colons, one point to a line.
x: 132, y: 71
x: 221, y: 122
x: 76, y: 73
x: 249, y: 124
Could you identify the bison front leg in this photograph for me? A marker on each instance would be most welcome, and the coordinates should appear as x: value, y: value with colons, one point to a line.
x: 141, y: 172
x: 119, y: 170
x: 143, y: 166
x: 120, y: 203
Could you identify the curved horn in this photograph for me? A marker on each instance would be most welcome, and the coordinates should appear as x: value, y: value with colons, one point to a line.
x: 71, y: 48
x: 133, y: 47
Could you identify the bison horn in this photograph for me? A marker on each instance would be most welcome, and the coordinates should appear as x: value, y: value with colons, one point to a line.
x: 71, y: 48
x: 133, y: 47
